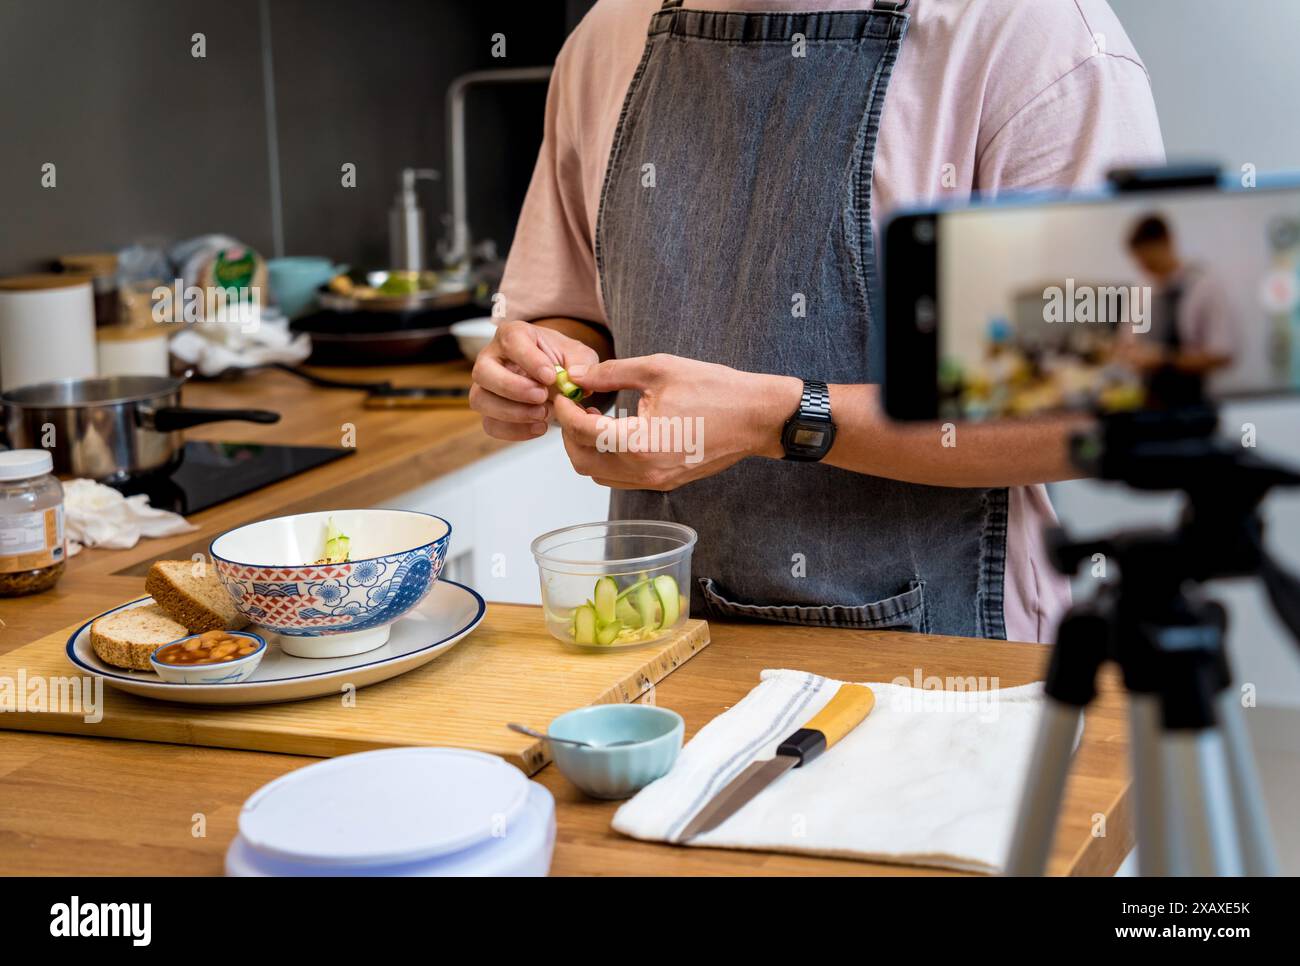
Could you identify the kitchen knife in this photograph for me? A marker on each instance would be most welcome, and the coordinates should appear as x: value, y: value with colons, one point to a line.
x: 844, y: 712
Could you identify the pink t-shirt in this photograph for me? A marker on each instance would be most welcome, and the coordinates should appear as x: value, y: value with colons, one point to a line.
x: 986, y: 95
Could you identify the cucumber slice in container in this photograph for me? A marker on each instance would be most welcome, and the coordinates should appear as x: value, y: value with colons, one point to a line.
x: 626, y: 614
x: 665, y: 589
x: 643, y: 599
x: 637, y: 612
x: 605, y: 599
x: 584, y: 625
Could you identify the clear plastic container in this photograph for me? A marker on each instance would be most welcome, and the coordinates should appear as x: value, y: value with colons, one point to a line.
x: 608, y: 586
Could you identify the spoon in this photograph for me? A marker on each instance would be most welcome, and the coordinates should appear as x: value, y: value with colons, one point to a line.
x: 534, y: 733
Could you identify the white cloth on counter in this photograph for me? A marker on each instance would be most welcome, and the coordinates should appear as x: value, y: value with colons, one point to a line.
x: 95, y: 515
x: 213, y: 347
x: 931, y: 777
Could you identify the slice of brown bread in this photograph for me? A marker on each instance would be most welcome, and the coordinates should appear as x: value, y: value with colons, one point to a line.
x: 198, y: 602
x: 126, y: 638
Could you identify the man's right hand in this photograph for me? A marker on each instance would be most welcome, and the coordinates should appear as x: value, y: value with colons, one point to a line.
x: 514, y: 378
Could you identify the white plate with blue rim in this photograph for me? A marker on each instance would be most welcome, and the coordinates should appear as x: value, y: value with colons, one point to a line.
x: 437, y: 624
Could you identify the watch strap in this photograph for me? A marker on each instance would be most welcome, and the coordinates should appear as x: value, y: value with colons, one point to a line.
x: 816, y: 401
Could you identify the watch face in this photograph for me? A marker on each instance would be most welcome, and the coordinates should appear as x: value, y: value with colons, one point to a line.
x: 809, y: 438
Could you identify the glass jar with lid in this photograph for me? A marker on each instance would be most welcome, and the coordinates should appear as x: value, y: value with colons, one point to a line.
x: 32, y: 546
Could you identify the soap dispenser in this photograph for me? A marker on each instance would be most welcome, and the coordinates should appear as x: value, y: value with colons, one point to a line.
x: 406, y: 238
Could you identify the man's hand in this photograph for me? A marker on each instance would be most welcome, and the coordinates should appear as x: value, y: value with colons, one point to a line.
x: 695, y: 419
x: 514, y: 378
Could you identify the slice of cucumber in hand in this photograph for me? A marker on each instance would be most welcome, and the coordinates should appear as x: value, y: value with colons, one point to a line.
x: 567, y: 386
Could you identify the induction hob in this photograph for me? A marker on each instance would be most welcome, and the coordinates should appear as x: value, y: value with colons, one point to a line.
x: 212, y: 473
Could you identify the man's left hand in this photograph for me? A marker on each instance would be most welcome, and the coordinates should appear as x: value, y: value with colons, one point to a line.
x: 695, y: 419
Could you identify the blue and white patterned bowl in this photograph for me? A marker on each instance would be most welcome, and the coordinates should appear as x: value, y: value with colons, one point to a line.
x: 331, y: 610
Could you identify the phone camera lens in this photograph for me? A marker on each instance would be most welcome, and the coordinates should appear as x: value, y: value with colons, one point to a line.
x: 925, y: 315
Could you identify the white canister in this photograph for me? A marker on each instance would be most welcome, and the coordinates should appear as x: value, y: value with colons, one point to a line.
x: 132, y: 351
x: 47, y: 329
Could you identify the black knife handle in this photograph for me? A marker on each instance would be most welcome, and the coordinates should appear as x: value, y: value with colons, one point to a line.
x: 805, y: 744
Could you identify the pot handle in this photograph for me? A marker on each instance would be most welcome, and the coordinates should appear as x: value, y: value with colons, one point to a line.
x: 326, y: 383
x: 169, y: 419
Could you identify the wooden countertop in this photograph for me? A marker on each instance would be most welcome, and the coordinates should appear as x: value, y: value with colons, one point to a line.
x: 71, y: 805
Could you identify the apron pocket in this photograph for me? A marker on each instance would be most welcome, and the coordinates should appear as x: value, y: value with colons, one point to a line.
x: 903, y: 612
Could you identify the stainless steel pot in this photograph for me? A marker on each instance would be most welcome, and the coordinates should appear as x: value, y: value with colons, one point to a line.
x: 109, y: 429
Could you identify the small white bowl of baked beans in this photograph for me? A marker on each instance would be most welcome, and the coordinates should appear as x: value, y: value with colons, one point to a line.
x: 214, y: 657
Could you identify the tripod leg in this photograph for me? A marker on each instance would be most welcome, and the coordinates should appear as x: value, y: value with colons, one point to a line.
x: 1258, y: 852
x: 1199, y: 793
x: 1148, y: 788
x: 1040, y: 802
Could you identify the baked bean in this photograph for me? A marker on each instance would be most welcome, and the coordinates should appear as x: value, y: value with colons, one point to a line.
x: 214, y: 647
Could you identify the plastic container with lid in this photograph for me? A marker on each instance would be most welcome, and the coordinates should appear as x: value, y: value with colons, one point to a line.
x: 33, y: 550
x: 397, y: 812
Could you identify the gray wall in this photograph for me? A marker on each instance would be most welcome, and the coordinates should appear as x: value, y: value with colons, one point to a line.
x: 1226, y: 76
x: 151, y: 143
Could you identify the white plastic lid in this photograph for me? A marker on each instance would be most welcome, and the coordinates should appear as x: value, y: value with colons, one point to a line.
x: 393, y: 805
x: 23, y: 464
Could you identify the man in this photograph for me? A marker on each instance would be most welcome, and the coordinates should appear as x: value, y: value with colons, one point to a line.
x: 1193, y: 323
x: 699, y: 237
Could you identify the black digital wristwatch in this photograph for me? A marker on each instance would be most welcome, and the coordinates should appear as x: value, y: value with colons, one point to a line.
x: 809, y: 434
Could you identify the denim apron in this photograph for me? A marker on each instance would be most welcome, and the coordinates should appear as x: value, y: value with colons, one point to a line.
x: 735, y: 227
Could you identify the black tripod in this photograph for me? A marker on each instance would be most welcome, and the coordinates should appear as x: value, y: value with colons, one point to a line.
x: 1199, y: 810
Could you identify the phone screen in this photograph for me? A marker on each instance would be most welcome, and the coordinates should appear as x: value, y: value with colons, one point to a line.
x: 1075, y: 305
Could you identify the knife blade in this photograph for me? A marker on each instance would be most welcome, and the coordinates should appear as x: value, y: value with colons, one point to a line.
x: 841, y: 714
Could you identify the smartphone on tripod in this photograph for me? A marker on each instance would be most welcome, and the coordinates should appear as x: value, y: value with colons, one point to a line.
x: 1044, y: 305
x: 1144, y: 307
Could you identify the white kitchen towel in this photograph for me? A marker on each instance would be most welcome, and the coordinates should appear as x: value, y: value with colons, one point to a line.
x: 931, y: 777
x: 95, y: 515
x: 218, y: 346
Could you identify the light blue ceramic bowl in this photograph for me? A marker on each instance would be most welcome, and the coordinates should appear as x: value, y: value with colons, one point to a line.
x: 623, y: 771
x: 294, y: 281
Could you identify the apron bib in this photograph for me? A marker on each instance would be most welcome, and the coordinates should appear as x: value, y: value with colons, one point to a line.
x: 735, y: 227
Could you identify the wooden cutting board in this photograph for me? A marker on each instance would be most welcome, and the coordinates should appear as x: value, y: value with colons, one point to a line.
x: 509, y: 669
